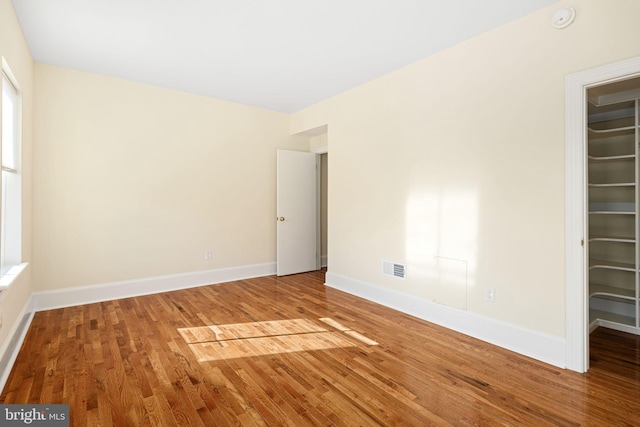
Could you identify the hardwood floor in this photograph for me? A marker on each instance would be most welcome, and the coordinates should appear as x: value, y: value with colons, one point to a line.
x: 290, y: 351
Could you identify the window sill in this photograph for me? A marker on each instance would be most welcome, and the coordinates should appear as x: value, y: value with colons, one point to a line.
x: 7, y: 279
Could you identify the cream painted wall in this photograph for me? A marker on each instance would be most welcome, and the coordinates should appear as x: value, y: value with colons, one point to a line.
x: 461, y: 155
x: 319, y: 142
x: 15, y: 51
x: 135, y: 181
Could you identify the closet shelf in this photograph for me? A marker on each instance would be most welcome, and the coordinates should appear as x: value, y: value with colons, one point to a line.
x: 608, y: 158
x: 601, y: 133
x: 596, y: 289
x: 611, y: 213
x: 602, y: 238
x: 614, y: 184
x: 611, y: 265
x: 613, y: 194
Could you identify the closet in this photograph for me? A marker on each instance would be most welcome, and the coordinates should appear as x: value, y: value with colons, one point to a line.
x: 613, y: 243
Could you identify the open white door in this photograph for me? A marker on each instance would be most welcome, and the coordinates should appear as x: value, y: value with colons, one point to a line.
x: 297, y: 212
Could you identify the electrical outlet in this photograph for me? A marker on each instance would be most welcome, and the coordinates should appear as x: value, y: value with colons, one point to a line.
x: 490, y: 294
x: 208, y: 255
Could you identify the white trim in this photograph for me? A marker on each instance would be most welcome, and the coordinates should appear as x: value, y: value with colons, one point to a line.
x: 616, y: 326
x: 10, y: 276
x: 576, y: 305
x: 323, y: 149
x: 546, y: 348
x: 318, y: 212
x: 13, y: 342
x: 12, y: 77
x: 67, y: 297
x: 577, y: 339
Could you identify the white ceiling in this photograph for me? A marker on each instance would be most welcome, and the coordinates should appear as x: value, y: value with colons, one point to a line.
x: 282, y: 55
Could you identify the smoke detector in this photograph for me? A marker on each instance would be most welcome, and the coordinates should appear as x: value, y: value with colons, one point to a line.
x: 563, y: 18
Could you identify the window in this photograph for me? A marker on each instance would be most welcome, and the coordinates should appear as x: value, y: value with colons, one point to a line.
x: 11, y: 196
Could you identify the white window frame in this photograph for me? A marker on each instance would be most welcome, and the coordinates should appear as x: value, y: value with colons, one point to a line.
x: 11, y: 188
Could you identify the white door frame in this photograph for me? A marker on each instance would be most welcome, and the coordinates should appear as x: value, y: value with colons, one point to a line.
x: 577, y: 293
x: 324, y: 149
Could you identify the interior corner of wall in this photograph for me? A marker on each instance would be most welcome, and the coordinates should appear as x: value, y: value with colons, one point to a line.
x: 310, y: 132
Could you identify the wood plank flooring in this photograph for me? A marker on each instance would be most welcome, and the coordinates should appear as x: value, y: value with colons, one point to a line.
x: 290, y: 351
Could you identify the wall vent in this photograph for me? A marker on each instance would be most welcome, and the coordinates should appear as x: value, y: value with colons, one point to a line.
x: 394, y: 269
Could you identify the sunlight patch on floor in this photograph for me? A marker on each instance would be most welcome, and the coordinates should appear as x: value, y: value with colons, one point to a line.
x: 219, y: 342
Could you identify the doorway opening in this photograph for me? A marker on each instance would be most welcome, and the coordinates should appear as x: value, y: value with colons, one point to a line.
x: 324, y: 209
x: 612, y: 218
x: 601, y: 209
x: 302, y: 206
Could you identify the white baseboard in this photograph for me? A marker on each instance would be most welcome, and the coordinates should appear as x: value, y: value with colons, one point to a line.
x: 13, y: 342
x: 613, y: 325
x: 68, y: 297
x: 546, y: 348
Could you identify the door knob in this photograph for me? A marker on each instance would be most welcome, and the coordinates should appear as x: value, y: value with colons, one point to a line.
x: 281, y: 218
